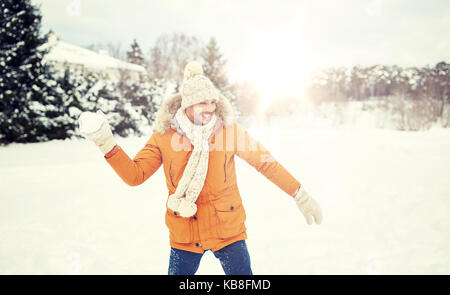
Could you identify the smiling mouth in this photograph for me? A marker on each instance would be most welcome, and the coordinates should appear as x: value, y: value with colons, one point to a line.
x: 206, y: 115
x: 203, y: 118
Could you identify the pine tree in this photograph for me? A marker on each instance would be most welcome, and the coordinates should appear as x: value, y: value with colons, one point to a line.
x: 144, y: 94
x: 214, y: 65
x: 214, y: 69
x: 28, y: 97
x: 134, y: 55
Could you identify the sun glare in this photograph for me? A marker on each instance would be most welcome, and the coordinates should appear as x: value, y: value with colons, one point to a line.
x: 277, y: 69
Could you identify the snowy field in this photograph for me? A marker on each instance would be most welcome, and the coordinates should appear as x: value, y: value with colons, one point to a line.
x: 385, y: 197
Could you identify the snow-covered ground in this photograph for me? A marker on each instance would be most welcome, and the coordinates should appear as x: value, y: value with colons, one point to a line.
x: 385, y: 197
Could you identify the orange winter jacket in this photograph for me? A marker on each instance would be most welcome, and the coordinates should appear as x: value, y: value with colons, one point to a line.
x: 220, y: 217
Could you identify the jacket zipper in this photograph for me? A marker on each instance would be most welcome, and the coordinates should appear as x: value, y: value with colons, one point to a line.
x: 170, y: 174
x: 225, y: 168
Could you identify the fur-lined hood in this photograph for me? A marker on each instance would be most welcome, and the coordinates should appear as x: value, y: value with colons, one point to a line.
x: 169, y: 107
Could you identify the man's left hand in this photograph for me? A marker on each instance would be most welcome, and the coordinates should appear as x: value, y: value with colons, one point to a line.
x: 308, y: 206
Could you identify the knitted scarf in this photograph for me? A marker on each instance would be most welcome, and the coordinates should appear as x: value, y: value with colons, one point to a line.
x: 193, y: 179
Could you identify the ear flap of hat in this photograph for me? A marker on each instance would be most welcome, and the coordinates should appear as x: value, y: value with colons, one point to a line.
x: 224, y: 110
x: 166, y: 112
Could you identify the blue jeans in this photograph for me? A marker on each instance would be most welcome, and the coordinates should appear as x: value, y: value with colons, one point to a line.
x: 234, y: 259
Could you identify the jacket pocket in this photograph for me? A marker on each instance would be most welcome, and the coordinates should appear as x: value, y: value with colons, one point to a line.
x: 180, y: 228
x: 231, y: 216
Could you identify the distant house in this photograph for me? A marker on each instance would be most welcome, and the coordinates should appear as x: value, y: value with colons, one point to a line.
x: 64, y: 54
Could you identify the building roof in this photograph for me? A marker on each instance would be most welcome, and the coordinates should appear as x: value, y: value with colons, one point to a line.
x: 65, y: 52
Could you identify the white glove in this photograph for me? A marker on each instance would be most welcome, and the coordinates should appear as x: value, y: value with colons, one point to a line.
x: 308, y: 206
x: 95, y: 127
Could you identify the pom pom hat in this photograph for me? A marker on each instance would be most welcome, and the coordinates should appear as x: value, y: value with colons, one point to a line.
x: 196, y: 87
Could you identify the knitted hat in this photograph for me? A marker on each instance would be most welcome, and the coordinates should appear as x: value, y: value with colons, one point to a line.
x: 196, y: 87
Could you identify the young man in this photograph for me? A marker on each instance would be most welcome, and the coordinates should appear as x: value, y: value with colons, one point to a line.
x: 195, y: 139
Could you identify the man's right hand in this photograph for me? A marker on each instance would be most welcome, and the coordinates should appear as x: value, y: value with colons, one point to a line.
x: 103, y: 136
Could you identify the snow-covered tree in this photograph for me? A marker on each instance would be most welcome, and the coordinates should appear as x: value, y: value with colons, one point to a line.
x: 144, y: 95
x: 31, y: 109
x: 89, y: 91
x: 129, y: 104
x: 80, y: 90
x: 134, y: 55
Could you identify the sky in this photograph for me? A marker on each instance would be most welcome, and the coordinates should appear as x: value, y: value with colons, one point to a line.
x: 268, y: 40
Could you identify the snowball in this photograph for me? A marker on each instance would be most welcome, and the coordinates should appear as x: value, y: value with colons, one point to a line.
x: 90, y: 122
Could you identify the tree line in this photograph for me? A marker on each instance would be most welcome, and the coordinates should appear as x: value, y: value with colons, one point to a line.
x: 38, y: 103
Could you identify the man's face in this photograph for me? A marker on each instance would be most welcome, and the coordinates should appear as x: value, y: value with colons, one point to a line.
x: 201, y: 113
